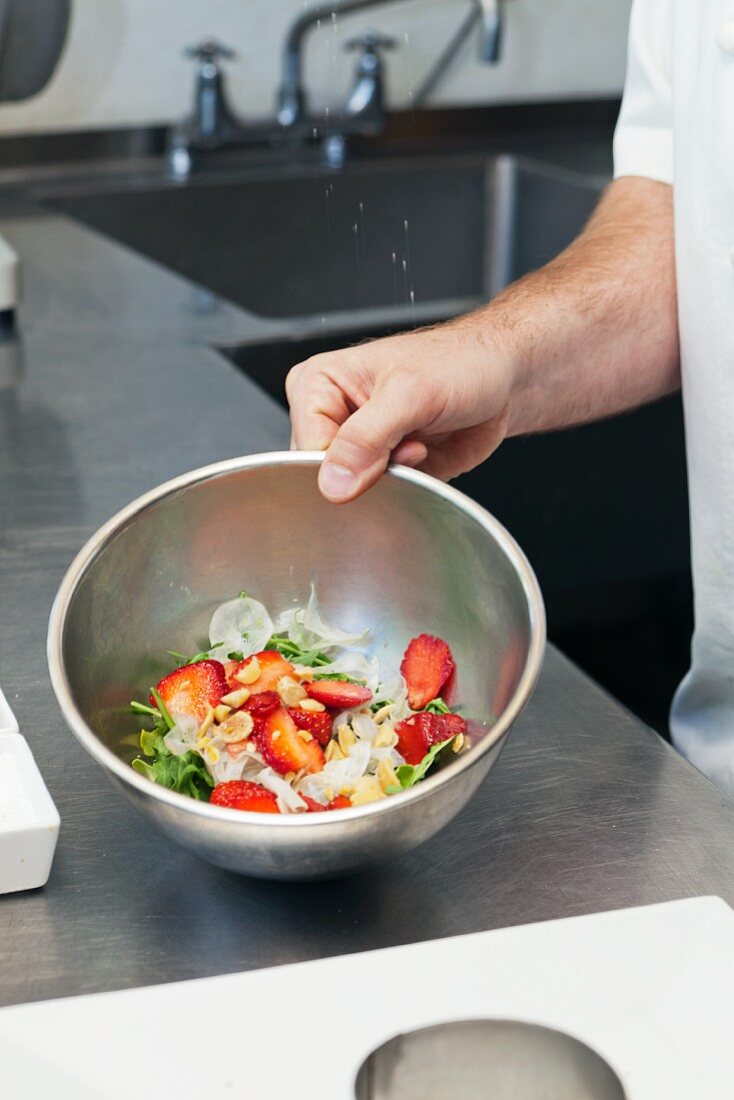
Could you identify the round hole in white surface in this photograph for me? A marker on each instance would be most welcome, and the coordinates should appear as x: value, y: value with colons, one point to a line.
x: 486, y: 1060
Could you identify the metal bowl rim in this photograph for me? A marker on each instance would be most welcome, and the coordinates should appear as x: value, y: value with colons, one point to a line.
x: 122, y: 771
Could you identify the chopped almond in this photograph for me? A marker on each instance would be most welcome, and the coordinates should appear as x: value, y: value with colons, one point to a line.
x: 311, y: 704
x: 236, y: 699
x: 333, y: 752
x: 386, y: 774
x: 249, y: 673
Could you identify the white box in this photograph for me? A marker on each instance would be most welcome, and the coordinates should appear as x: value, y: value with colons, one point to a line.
x: 29, y: 821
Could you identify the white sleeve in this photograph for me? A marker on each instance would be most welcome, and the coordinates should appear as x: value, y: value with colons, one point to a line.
x: 643, y: 142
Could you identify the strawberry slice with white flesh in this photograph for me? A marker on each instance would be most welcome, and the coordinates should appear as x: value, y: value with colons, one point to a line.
x: 284, y: 747
x: 192, y: 689
x: 338, y: 693
x: 426, y: 667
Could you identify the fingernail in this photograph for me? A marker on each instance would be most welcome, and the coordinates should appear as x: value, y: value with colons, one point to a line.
x: 336, y: 482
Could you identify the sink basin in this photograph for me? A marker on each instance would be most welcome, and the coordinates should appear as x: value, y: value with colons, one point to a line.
x: 406, y: 233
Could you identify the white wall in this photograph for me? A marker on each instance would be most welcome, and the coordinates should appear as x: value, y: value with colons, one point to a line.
x: 123, y: 64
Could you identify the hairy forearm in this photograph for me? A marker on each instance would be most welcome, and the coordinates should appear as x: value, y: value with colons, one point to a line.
x: 595, y: 331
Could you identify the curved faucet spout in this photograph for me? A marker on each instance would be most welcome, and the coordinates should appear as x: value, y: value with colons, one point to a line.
x: 292, y: 108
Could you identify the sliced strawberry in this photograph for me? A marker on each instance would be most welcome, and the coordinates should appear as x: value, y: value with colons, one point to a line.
x: 314, y: 807
x: 317, y: 722
x: 259, y: 706
x: 417, y: 733
x: 278, y: 740
x: 338, y: 693
x: 241, y: 794
x: 341, y: 802
x: 272, y: 667
x: 426, y: 667
x: 262, y: 703
x: 192, y: 689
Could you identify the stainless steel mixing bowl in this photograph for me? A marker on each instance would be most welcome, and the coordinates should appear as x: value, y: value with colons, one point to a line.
x: 411, y: 556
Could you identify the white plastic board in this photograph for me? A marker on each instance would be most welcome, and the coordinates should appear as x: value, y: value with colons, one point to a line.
x: 29, y: 820
x: 651, y: 989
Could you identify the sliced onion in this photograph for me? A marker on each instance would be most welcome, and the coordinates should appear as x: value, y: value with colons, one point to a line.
x: 309, y: 630
x: 182, y: 738
x: 242, y: 624
x: 289, y: 801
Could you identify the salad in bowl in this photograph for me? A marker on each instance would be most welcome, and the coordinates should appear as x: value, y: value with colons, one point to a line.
x: 293, y: 715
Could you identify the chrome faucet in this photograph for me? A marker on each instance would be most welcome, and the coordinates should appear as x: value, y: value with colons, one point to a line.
x: 292, y: 101
x: 213, y: 125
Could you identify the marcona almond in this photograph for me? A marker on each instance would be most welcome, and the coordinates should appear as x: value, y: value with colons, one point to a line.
x: 346, y: 738
x: 207, y: 723
x: 386, y: 737
x: 386, y: 774
x: 236, y: 699
x: 290, y: 691
x: 381, y: 714
x: 237, y: 727
x: 221, y: 712
x: 459, y: 742
x: 249, y: 673
x: 333, y: 752
x: 305, y: 735
x: 367, y: 789
x: 312, y: 704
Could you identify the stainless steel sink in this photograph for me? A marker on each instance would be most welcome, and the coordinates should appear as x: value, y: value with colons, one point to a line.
x: 405, y: 233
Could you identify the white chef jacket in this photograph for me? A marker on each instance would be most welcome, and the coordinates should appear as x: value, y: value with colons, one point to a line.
x: 677, y: 125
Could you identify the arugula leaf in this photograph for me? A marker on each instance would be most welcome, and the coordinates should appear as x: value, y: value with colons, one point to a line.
x: 181, y: 658
x: 151, y: 741
x: 198, y: 657
x: 343, y: 678
x: 288, y: 649
x: 186, y: 774
x: 143, y: 708
x: 410, y: 774
x: 437, y: 706
x: 163, y: 709
x: 374, y: 707
x: 236, y: 655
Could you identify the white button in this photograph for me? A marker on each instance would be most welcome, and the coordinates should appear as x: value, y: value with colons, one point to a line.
x: 725, y: 36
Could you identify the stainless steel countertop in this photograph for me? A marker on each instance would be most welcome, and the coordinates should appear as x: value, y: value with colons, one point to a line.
x: 116, y: 389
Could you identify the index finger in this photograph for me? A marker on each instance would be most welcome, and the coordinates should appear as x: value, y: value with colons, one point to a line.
x: 317, y: 406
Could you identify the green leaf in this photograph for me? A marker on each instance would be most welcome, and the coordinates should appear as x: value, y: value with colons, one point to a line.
x: 292, y: 652
x: 243, y: 595
x: 437, y: 706
x: 342, y: 677
x: 143, y: 708
x: 186, y: 774
x: 163, y: 709
x: 198, y: 657
x: 151, y: 741
x: 410, y: 774
x: 374, y: 707
x: 180, y: 658
x: 236, y: 655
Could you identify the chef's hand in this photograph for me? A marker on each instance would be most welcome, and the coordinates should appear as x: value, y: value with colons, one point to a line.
x: 436, y: 399
x: 592, y: 333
